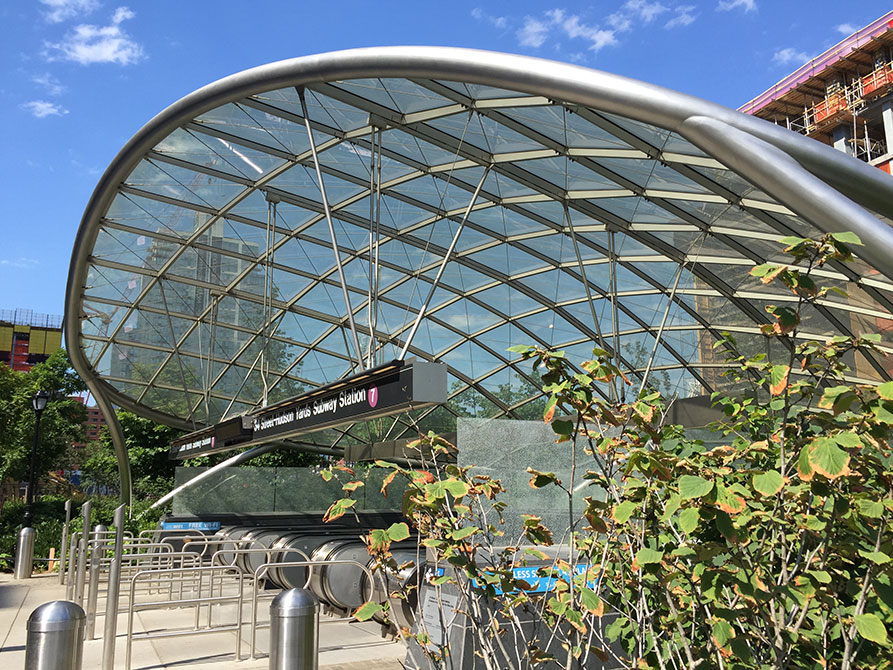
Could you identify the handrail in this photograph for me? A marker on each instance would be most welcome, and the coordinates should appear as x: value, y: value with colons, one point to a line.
x: 198, y: 601
x: 262, y: 570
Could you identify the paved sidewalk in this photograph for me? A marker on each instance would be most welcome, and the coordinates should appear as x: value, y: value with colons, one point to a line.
x: 342, y: 645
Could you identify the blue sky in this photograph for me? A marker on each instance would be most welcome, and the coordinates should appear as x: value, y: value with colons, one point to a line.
x: 80, y: 77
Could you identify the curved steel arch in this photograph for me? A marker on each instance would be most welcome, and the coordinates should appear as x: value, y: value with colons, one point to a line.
x: 793, y: 170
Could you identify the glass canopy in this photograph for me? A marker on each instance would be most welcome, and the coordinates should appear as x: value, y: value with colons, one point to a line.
x: 212, y: 284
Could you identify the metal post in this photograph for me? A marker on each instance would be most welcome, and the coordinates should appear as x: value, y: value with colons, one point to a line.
x: 64, y: 544
x: 446, y: 257
x: 73, y: 544
x: 294, y: 631
x: 55, y: 637
x: 82, y: 553
x: 328, y: 213
x: 99, y: 545
x: 24, y: 553
x: 114, y: 586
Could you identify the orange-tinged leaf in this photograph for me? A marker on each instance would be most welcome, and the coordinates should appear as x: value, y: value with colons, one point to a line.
x: 827, y: 458
x: 778, y: 378
x: 547, y: 417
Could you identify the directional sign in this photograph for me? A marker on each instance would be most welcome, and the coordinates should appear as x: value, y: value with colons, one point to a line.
x: 389, y: 389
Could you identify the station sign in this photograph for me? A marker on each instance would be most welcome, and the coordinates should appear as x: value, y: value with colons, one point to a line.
x: 383, y: 391
x: 223, y: 436
x: 190, y: 525
x: 386, y: 390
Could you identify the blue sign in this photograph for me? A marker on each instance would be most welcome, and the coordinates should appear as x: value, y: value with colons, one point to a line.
x: 190, y: 525
x: 538, y: 584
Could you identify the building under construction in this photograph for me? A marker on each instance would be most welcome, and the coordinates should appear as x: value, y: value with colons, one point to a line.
x: 844, y: 97
x: 28, y: 338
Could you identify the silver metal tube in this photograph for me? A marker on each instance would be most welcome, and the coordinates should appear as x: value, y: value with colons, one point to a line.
x: 24, y: 561
x: 294, y: 631
x: 55, y: 637
x: 63, y: 545
x: 335, y: 250
x: 73, y: 544
x: 446, y: 258
x: 663, y: 322
x: 98, y: 550
x: 114, y: 587
x: 86, y: 511
x: 598, y: 328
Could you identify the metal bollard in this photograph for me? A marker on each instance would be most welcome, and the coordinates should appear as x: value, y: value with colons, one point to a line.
x: 63, y: 545
x: 55, y: 637
x: 86, y: 508
x: 111, y: 599
x: 24, y: 553
x: 73, y: 545
x: 96, y: 553
x: 294, y: 631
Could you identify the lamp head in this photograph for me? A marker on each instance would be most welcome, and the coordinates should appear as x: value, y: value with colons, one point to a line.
x: 39, y: 401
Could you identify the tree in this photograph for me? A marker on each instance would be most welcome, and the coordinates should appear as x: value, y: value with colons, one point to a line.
x: 774, y: 550
x: 148, y: 446
x: 61, y: 424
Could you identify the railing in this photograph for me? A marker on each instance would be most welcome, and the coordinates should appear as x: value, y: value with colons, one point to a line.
x: 227, y: 576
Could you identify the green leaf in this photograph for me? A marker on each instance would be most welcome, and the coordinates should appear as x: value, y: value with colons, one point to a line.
x: 768, y: 483
x: 338, y: 509
x: 885, y: 390
x: 462, y: 533
x: 622, y: 512
x: 722, y: 632
x: 455, y: 486
x: 827, y: 458
x: 821, y: 576
x: 878, y: 557
x: 440, y: 581
x: 778, y: 379
x: 791, y: 241
x: 848, y: 440
x: 847, y: 237
x: 874, y: 509
x: 688, y: 520
x: 871, y: 628
x: 562, y: 427
x: 541, y: 479
x: 591, y: 601
x: 367, y: 610
x: 691, y: 486
x: 646, y: 556
x: 398, y: 532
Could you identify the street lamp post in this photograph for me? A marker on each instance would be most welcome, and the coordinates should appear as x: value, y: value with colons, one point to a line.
x: 25, y: 552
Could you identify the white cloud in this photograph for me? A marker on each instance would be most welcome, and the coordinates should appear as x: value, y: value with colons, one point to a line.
x: 846, y: 29
x: 496, y: 21
x: 87, y: 44
x: 20, y: 262
x: 728, y: 5
x: 49, y: 83
x: 684, y: 17
x: 41, y: 108
x: 62, y: 10
x: 633, y: 11
x: 533, y: 33
x: 789, y: 56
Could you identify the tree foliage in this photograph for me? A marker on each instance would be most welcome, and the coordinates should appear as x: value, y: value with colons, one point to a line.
x: 61, y: 422
x: 773, y: 550
x: 148, y: 446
